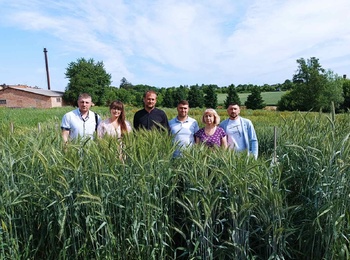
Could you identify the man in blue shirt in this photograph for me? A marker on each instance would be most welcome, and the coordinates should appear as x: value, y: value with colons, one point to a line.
x: 183, y: 127
x: 240, y: 131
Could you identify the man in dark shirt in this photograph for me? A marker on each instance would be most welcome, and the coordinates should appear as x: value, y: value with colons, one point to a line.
x: 150, y: 117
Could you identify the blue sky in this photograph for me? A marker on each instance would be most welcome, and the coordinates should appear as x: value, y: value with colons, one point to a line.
x: 168, y: 43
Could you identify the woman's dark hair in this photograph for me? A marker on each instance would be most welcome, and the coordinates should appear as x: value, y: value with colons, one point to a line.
x: 116, y: 104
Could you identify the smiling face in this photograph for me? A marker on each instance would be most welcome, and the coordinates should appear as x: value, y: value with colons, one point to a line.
x: 116, y: 109
x: 150, y: 100
x: 115, y: 112
x: 182, y: 111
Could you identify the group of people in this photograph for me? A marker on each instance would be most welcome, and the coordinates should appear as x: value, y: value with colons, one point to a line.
x: 235, y: 132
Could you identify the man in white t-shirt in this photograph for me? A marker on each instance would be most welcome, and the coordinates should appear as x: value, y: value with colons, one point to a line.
x: 240, y: 131
x: 80, y: 122
x: 183, y: 127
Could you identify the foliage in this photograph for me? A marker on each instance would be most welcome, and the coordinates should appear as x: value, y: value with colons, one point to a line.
x: 124, y: 84
x: 86, y: 76
x: 314, y: 88
x: 195, y: 96
x: 180, y: 93
x: 210, y: 97
x: 254, y: 100
x: 168, y: 99
x: 232, y: 96
x: 346, y: 94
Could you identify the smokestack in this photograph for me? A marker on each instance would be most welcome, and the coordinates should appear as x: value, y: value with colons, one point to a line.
x: 47, y: 70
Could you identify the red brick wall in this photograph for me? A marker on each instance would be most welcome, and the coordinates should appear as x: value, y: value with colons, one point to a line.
x: 17, y: 98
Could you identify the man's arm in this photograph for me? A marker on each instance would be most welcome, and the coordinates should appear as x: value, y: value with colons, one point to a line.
x: 136, y: 121
x: 65, y: 135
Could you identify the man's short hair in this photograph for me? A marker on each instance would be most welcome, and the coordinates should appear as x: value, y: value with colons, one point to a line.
x: 233, y: 104
x: 183, y: 102
x: 149, y: 92
x: 84, y: 95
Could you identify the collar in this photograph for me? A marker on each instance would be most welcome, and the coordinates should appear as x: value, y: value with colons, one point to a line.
x: 177, y: 119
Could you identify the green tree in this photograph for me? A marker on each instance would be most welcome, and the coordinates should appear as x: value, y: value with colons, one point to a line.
x: 314, y: 88
x: 195, y: 96
x: 210, y: 97
x: 86, y: 76
x: 124, y: 84
x: 232, y: 96
x: 179, y: 94
x: 287, y: 85
x: 254, y: 100
x: 346, y: 94
x: 168, y: 100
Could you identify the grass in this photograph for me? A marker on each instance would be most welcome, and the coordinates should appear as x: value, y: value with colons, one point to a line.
x: 82, y: 202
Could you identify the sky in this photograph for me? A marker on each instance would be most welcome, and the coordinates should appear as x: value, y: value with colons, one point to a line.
x: 165, y: 43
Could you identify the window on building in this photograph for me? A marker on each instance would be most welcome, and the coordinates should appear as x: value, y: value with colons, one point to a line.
x: 2, y: 101
x: 58, y: 99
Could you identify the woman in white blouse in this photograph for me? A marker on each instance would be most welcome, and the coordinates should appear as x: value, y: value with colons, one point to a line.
x: 116, y: 125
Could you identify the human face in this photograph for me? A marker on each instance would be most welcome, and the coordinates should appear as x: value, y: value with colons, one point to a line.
x: 182, y: 111
x: 209, y: 118
x: 115, y: 112
x: 150, y: 101
x: 84, y: 105
x: 233, y: 111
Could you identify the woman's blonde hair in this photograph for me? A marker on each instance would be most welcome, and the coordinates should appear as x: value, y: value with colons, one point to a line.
x: 214, y: 113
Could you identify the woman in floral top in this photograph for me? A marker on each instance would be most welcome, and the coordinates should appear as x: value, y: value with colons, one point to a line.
x: 211, y: 134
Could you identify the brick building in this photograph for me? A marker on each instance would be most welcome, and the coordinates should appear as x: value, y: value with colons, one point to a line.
x: 24, y: 96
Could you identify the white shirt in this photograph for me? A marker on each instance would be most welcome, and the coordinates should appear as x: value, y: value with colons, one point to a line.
x: 79, y: 126
x: 235, y: 138
x: 106, y: 127
x: 183, y: 132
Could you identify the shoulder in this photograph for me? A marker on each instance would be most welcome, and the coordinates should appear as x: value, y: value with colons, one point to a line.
x: 158, y: 111
x: 128, y: 125
x: 71, y: 113
x: 191, y: 119
x: 140, y: 112
x: 199, y: 131
x: 173, y: 120
x: 105, y: 122
x: 223, y: 123
x: 220, y: 129
x: 246, y: 120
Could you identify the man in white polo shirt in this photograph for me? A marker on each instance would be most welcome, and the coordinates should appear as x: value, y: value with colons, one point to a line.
x: 183, y: 127
x: 80, y: 122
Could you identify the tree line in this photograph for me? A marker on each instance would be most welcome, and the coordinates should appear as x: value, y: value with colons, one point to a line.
x: 312, y: 88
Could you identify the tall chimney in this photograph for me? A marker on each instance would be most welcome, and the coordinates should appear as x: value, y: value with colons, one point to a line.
x: 47, y: 70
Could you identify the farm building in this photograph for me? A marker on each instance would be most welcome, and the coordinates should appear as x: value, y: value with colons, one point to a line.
x: 24, y: 96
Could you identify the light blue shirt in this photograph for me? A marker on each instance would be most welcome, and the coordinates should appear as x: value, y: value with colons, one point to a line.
x: 247, y: 132
x: 183, y: 132
x: 78, y: 126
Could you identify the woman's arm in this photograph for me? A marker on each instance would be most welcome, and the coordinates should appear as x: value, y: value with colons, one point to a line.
x: 224, y: 142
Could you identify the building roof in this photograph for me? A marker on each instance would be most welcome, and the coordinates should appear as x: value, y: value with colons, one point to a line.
x: 43, y: 92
